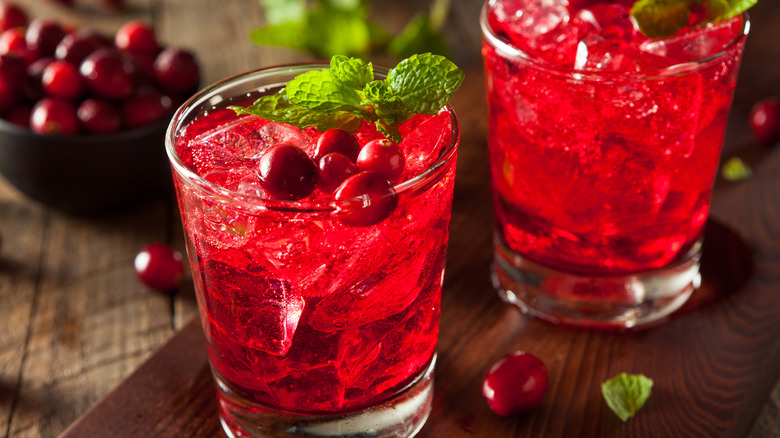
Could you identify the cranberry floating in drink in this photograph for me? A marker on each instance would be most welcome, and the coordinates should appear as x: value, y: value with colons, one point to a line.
x: 603, y: 147
x: 318, y: 258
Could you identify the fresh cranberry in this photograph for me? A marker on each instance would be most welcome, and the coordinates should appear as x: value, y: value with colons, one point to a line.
x: 159, y: 267
x: 11, y: 16
x: 12, y: 41
x: 20, y: 115
x: 765, y: 120
x: 145, y: 107
x: 44, y: 35
x: 13, y: 69
x: 106, y: 74
x: 98, y: 116
x: 138, y: 38
x: 334, y: 168
x: 141, y: 67
x: 371, y: 199
x: 53, y: 115
x: 77, y: 45
x: 287, y: 172
x: 62, y: 79
x: 177, y: 71
x: 336, y: 140
x: 8, y: 95
x: 515, y: 384
x: 383, y: 156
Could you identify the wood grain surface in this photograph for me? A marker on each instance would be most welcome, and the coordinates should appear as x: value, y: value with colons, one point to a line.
x: 86, y: 351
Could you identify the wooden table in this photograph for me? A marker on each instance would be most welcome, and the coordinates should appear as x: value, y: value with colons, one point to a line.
x: 75, y: 324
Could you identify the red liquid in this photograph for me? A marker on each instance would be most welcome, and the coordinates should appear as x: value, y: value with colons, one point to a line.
x: 611, y: 172
x: 304, y: 313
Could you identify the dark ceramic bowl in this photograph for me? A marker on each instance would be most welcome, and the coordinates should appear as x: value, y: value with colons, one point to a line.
x: 86, y: 174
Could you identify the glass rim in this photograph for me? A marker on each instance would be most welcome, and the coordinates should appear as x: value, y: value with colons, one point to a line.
x: 252, y: 202
x: 509, y: 50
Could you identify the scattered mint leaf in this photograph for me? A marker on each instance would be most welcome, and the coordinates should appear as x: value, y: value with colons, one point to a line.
x: 663, y: 18
x: 346, y: 92
x: 735, y: 170
x: 625, y: 393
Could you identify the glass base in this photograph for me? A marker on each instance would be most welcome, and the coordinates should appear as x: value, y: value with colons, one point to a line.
x: 609, y: 302
x: 401, y: 416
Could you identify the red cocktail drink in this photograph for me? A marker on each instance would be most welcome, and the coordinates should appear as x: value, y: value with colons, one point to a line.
x: 603, y: 147
x: 311, y: 318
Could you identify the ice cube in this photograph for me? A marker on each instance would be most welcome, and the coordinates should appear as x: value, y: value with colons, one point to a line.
x: 271, y: 134
x: 696, y: 44
x: 252, y: 307
x: 423, y: 146
x: 531, y: 18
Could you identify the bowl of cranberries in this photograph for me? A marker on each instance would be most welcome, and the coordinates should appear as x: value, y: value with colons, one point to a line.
x: 83, y: 114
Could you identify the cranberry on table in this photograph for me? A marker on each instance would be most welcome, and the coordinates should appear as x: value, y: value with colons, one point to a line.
x: 177, y: 71
x: 138, y: 38
x: 765, y: 120
x: 44, y: 35
x: 336, y: 140
x: 54, y: 115
x: 515, y: 384
x: 62, y: 79
x: 287, y: 173
x: 334, y: 168
x: 99, y: 116
x: 145, y: 107
x: 372, y: 199
x: 383, y: 156
x: 11, y: 16
x: 106, y: 74
x: 159, y: 267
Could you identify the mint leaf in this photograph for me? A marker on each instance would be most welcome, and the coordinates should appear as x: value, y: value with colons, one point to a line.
x: 284, y: 11
x: 425, y: 82
x: 735, y: 170
x: 420, y: 84
x: 282, y: 35
x: 277, y: 108
x: 353, y: 72
x: 625, y: 393
x: 661, y: 18
x: 418, y: 36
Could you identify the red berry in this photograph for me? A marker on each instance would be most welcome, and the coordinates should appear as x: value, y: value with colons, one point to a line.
x: 11, y: 16
x: 44, y: 35
x: 159, y: 267
x: 8, y: 95
x: 61, y: 79
x: 765, y: 120
x: 12, y: 41
x: 138, y: 38
x: 370, y: 196
x: 145, y: 107
x: 177, y: 71
x: 98, y: 116
x: 336, y: 140
x: 76, y: 46
x: 107, y: 75
x: 334, y: 168
x: 20, y: 115
x: 53, y: 115
x: 383, y: 156
x: 287, y: 172
x: 515, y: 384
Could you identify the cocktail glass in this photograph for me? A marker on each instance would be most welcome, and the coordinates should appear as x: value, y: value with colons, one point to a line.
x: 603, y: 149
x: 314, y: 327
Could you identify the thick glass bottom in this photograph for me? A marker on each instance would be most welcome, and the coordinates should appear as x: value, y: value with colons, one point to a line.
x: 609, y: 302
x: 401, y: 416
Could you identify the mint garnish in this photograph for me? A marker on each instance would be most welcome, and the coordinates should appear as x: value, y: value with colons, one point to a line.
x: 735, y: 170
x: 625, y: 393
x: 340, y: 96
x: 663, y: 18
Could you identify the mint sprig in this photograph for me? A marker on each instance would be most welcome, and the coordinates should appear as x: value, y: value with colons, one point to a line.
x: 663, y: 18
x: 625, y: 393
x: 339, y: 97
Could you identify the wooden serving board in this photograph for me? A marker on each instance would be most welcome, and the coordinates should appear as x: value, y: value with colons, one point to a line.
x: 714, y: 362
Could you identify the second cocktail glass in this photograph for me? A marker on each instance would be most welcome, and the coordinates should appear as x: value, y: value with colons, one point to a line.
x: 603, y: 149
